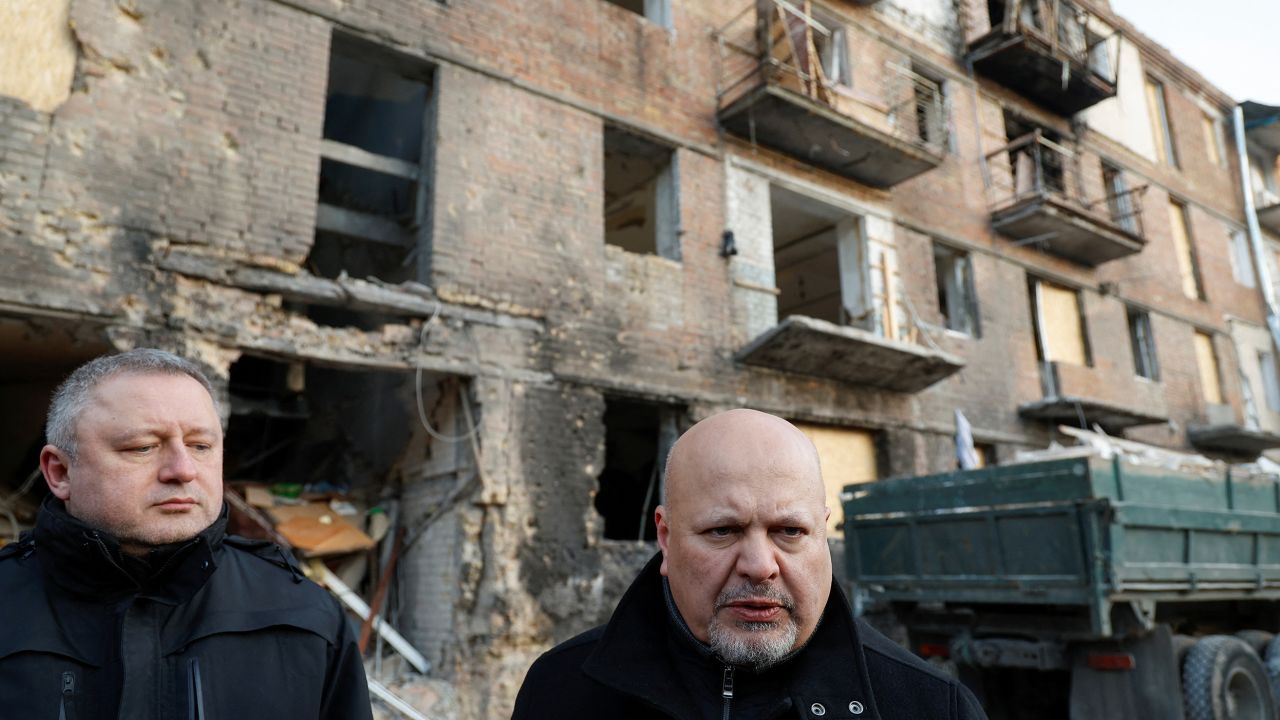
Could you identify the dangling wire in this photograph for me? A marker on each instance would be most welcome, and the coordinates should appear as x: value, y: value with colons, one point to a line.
x: 417, y: 378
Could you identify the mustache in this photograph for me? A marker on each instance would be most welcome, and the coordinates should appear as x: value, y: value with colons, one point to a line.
x: 751, y: 591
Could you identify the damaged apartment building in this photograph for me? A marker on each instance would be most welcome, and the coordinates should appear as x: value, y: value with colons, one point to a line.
x: 487, y: 259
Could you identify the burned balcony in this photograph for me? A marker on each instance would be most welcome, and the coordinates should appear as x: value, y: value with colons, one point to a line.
x: 1049, y: 51
x: 786, y: 82
x: 1037, y: 196
x: 810, y: 346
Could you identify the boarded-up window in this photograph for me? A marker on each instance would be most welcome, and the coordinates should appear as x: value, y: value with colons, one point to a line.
x: 1212, y: 139
x: 848, y: 456
x: 1160, y: 123
x: 1207, y: 362
x: 1188, y: 268
x: 1061, y: 331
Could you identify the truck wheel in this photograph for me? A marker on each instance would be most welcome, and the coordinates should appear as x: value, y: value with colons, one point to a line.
x: 1181, y: 644
x: 1271, y: 660
x: 1222, y: 679
x: 1256, y: 639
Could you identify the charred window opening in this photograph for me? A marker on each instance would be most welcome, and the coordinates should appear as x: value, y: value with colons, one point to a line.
x: 655, y: 11
x: 821, y: 266
x: 37, y: 356
x: 637, y: 438
x: 641, y: 195
x: 317, y: 427
x: 1034, y: 167
x: 371, y: 220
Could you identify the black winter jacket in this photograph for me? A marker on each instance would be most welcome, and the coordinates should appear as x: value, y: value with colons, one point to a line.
x: 219, y: 628
x: 645, y: 663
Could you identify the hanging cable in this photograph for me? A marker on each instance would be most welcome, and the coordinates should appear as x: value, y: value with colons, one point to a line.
x: 417, y: 384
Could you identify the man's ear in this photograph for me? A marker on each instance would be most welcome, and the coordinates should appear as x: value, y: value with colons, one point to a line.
x: 56, y: 469
x: 664, y: 534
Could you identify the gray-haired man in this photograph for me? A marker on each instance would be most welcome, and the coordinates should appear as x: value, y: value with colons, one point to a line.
x: 129, y: 599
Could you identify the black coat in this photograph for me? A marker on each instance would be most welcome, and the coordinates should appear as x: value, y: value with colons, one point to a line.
x: 646, y: 664
x: 217, y: 628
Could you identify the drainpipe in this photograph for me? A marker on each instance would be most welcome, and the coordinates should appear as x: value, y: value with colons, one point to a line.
x: 1255, y: 232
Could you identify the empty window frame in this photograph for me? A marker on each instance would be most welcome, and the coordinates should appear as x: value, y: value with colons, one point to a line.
x: 833, y: 52
x: 1270, y: 379
x: 373, y: 191
x: 1143, y: 344
x: 957, y: 300
x: 929, y: 99
x: 1120, y: 201
x: 1185, y: 249
x: 641, y: 195
x: 1213, y: 147
x: 1207, y: 364
x: 848, y: 456
x: 657, y: 12
x: 1241, y: 257
x: 1059, y: 323
x: 824, y: 268
x: 1160, y: 129
x: 637, y: 437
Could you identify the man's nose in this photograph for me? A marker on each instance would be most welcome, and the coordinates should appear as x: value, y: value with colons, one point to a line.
x: 757, y: 558
x: 179, y: 465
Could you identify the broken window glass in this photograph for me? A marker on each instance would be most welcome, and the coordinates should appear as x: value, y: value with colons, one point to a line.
x: 956, y: 298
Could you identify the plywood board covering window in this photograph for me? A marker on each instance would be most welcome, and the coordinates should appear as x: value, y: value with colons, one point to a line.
x: 1212, y: 139
x: 1185, y: 251
x: 1061, y: 329
x: 1207, y: 362
x: 1159, y: 115
x: 848, y: 456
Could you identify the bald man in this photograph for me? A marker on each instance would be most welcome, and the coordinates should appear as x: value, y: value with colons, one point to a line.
x: 738, y: 616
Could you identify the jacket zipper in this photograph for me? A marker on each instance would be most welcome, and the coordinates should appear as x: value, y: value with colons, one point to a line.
x: 68, y: 689
x: 726, y: 691
x: 195, y: 692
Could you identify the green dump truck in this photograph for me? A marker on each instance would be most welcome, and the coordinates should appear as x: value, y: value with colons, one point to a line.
x: 1083, y: 587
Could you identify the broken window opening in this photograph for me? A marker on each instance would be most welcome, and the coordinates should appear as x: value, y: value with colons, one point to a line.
x: 657, y: 12
x: 957, y: 299
x: 371, y: 217
x: 1120, y: 200
x: 1241, y: 257
x: 641, y: 195
x: 1143, y: 344
x: 319, y: 428
x: 833, y: 51
x: 637, y: 437
x: 930, y: 107
x: 986, y: 455
x: 822, y: 266
x: 1270, y: 379
x: 1039, y: 167
x: 38, y: 355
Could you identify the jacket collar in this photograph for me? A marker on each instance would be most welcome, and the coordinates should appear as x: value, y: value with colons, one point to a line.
x: 633, y: 655
x: 87, y: 561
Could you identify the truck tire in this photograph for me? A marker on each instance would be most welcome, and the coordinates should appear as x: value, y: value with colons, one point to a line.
x: 1271, y: 661
x: 1223, y: 679
x: 1256, y: 639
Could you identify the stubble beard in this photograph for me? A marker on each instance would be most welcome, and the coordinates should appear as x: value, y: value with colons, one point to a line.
x: 753, y: 644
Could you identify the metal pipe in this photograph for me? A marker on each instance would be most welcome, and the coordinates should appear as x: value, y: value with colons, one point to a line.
x: 1255, y: 232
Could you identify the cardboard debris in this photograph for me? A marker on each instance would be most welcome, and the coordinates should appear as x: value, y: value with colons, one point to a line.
x: 318, y: 531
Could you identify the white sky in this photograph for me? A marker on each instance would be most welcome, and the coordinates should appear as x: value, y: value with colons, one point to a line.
x: 1235, y: 44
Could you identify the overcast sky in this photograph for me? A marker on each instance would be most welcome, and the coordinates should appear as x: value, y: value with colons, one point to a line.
x: 1235, y: 44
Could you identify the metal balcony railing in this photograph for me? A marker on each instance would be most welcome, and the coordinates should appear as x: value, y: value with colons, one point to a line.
x: 799, y: 47
x: 1034, y: 167
x: 1065, y: 30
